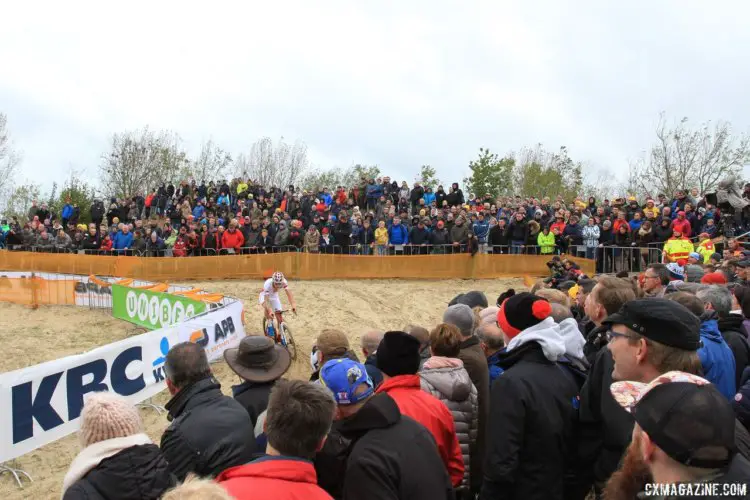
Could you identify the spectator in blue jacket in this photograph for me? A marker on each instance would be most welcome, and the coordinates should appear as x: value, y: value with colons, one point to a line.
x: 373, y: 192
x: 481, y: 229
x: 199, y: 210
x: 67, y: 212
x: 636, y: 222
x: 123, y: 239
x: 491, y: 340
x: 715, y: 355
x: 397, y: 233
x: 429, y: 196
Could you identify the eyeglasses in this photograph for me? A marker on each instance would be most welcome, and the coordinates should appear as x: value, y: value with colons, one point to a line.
x: 611, y: 335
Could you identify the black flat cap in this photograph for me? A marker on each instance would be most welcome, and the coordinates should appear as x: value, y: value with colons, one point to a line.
x: 661, y: 320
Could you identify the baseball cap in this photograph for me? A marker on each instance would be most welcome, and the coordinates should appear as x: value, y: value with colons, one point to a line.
x: 661, y: 320
x: 343, y: 377
x: 332, y: 343
x: 696, y: 256
x: 684, y: 415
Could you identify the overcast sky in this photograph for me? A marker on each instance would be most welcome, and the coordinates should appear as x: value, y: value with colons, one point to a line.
x: 394, y: 83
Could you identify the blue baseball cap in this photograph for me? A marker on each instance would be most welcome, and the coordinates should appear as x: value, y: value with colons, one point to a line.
x: 696, y: 256
x: 342, y: 377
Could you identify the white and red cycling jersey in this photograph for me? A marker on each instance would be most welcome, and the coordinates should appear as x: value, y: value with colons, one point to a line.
x: 272, y: 294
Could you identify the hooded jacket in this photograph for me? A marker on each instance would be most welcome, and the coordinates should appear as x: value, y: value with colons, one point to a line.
x: 379, y: 453
x: 232, y: 239
x: 590, y: 235
x: 278, y: 477
x: 448, y: 380
x: 716, y: 358
x: 574, y: 343
x: 431, y: 413
x: 123, y: 468
x: 530, y: 434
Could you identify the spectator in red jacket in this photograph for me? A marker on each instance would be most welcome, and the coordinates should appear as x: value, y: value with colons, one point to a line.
x: 398, y: 358
x: 232, y: 238
x: 682, y: 225
x: 298, y: 419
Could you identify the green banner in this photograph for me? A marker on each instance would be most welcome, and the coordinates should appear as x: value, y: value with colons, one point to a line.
x: 152, y: 310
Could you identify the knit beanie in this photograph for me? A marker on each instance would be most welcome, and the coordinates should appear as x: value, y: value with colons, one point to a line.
x: 715, y: 278
x: 398, y: 354
x: 522, y: 311
x: 107, y: 415
x: 676, y: 271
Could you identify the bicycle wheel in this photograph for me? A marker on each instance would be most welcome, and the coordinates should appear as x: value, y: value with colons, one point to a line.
x: 288, y: 339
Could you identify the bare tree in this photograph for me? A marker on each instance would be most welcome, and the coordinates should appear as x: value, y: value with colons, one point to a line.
x: 684, y: 157
x: 273, y: 165
x: 9, y: 158
x: 19, y: 200
x: 211, y: 164
x: 141, y: 160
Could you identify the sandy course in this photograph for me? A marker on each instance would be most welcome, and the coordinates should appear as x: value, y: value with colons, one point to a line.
x: 34, y: 336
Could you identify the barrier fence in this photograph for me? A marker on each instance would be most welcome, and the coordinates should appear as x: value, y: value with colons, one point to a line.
x: 297, y: 265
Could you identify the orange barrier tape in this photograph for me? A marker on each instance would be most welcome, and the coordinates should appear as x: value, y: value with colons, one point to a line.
x: 295, y: 265
x: 101, y: 283
x: 187, y: 292
x: 206, y: 297
x: 125, y: 282
x: 37, y: 291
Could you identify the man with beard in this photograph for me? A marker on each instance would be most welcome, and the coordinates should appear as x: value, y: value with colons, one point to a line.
x: 683, y: 445
x: 647, y: 338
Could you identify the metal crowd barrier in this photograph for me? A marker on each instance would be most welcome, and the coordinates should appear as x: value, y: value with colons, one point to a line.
x: 611, y: 260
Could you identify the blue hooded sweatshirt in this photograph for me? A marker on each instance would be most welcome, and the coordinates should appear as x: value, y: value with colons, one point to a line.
x: 428, y: 198
x: 716, y: 357
x: 398, y: 234
x: 492, y: 363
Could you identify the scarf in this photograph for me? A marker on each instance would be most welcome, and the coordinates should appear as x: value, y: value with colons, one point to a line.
x: 91, y: 456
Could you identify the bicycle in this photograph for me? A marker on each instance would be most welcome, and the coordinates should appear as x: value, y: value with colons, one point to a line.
x: 286, y: 338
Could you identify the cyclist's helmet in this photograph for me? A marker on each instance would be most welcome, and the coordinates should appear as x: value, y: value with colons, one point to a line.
x: 278, y: 278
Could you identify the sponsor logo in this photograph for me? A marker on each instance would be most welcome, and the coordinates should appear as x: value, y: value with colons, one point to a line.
x: 34, y: 404
x: 156, y: 310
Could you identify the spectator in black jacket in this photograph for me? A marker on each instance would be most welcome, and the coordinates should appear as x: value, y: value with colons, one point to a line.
x: 417, y: 193
x: 532, y: 412
x: 387, y: 455
x: 259, y: 362
x: 419, y: 237
x: 497, y: 238
x: 118, y: 460
x: 517, y: 232
x: 440, y: 238
x: 91, y: 243
x: 719, y: 299
x: 210, y: 432
x: 342, y: 233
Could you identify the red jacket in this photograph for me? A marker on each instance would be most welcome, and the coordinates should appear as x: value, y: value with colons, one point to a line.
x: 232, y: 240
x: 683, y: 226
x: 617, y: 223
x: 280, y: 478
x: 433, y: 414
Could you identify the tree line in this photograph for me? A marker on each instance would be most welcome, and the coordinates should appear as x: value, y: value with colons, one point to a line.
x: 682, y: 156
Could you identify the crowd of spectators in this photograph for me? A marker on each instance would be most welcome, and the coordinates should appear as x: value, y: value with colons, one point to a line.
x: 377, y: 217
x: 582, y: 388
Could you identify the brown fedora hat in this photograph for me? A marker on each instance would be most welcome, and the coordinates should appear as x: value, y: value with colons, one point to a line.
x: 258, y: 359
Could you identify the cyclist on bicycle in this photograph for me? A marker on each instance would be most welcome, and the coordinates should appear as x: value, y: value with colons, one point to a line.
x: 269, y: 298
